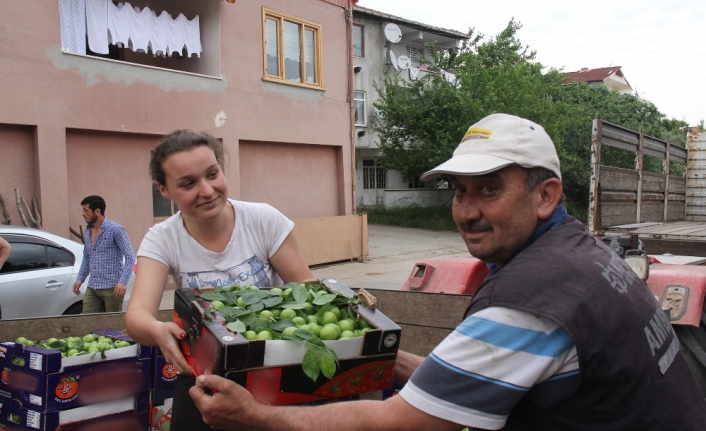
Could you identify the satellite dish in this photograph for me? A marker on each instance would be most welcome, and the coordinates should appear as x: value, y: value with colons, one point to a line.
x: 393, y: 61
x: 393, y: 33
x: 404, y: 62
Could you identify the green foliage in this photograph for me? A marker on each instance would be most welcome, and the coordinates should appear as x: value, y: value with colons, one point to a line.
x: 437, y: 218
x: 421, y: 122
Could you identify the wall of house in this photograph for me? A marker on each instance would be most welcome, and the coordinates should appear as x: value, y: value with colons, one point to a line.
x: 374, y: 67
x: 275, y: 170
x: 17, y: 150
x: 73, y: 125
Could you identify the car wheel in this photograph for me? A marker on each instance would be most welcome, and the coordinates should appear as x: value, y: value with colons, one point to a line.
x: 76, y: 308
x: 693, y: 343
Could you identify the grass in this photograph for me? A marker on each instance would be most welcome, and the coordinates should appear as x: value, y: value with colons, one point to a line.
x: 437, y: 218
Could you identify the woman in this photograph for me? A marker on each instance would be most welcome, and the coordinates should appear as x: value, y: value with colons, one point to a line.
x: 211, y: 241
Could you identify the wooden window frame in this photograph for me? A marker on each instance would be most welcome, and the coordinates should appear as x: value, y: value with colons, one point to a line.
x: 362, y: 40
x: 304, y: 25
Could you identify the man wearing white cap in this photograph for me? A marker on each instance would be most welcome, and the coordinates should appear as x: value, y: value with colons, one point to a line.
x: 560, y: 336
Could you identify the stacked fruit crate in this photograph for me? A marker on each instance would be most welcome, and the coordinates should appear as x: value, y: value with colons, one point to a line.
x: 101, y: 380
x: 164, y: 377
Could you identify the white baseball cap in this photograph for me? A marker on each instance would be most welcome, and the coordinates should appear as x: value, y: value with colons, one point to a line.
x: 497, y: 141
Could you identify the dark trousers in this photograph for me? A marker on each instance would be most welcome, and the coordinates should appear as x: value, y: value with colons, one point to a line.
x: 185, y: 415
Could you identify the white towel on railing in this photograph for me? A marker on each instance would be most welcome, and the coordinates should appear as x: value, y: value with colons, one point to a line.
x: 140, y: 29
x: 192, y: 36
x: 159, y: 33
x: 97, y: 25
x: 143, y: 30
x: 119, y: 18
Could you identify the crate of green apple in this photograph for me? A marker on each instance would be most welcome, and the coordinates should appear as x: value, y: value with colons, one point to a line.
x: 89, y: 344
x: 316, y: 332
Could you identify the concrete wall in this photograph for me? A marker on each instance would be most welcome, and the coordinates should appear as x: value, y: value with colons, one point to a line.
x: 73, y: 125
x: 420, y: 197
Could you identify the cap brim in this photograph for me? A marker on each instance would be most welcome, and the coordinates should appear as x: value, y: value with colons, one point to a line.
x: 467, y: 164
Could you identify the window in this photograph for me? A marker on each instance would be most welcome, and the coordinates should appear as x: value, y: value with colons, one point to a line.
x: 180, y: 35
x: 25, y: 257
x: 59, y: 257
x: 358, y: 41
x: 415, y: 54
x: 161, y: 208
x: 373, y: 176
x: 359, y: 100
x: 292, y: 50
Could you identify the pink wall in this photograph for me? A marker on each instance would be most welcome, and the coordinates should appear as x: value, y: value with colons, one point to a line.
x: 17, y: 170
x: 307, y: 169
x: 115, y: 167
x: 84, y: 111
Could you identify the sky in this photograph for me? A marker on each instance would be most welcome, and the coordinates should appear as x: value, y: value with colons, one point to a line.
x: 660, y: 44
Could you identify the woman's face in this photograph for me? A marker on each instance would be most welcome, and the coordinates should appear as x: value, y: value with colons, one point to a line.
x: 195, y: 182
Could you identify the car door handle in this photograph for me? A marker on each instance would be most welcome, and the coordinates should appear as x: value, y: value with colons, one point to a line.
x: 54, y: 284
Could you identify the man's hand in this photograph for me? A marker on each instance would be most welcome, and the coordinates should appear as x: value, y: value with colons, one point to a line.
x: 230, y: 407
x: 120, y: 290
x: 77, y: 287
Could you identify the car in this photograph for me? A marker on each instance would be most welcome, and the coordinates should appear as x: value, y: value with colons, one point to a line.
x: 37, y: 279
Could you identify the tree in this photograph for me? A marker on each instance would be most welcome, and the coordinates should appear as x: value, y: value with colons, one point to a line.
x: 421, y: 122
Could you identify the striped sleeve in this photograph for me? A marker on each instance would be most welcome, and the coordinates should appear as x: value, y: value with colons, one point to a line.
x: 477, y: 375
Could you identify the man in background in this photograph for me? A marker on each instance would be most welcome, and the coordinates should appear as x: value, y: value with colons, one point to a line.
x: 107, y: 257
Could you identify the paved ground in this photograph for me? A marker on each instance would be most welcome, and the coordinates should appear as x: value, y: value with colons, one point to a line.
x: 393, y: 253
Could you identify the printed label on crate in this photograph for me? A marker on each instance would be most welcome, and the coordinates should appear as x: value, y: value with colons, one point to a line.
x: 67, y: 389
x: 169, y: 372
x: 34, y: 419
x: 5, y: 376
x: 35, y: 399
x: 35, y: 361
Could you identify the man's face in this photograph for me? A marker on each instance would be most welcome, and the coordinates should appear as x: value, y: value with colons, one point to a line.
x: 494, y: 213
x: 88, y: 215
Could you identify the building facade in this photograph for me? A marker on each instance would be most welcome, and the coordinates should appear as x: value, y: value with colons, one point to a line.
x: 375, y: 56
x: 272, y: 80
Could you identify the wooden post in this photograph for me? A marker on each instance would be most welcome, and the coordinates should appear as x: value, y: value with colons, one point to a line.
x: 665, y: 169
x: 594, y: 211
x: 639, y: 162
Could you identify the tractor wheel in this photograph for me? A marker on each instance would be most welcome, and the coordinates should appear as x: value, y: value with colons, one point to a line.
x: 693, y: 343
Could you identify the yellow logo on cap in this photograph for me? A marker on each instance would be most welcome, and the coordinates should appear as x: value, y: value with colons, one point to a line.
x: 477, y: 133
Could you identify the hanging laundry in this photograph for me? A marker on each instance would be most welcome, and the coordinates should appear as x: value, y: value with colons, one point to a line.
x: 72, y: 18
x: 140, y: 29
x: 159, y: 33
x: 176, y: 36
x: 192, y: 33
x: 119, y: 18
x: 97, y: 25
x: 413, y: 73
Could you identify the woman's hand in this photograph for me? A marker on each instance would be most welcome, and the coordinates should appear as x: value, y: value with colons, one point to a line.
x: 166, y: 335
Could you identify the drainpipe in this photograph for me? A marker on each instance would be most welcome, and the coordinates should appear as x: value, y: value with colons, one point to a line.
x: 349, y: 32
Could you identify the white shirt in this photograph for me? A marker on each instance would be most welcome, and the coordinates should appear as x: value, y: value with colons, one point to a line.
x: 258, y: 233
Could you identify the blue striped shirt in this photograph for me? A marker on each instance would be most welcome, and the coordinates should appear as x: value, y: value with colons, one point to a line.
x: 479, y: 373
x: 104, y: 260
